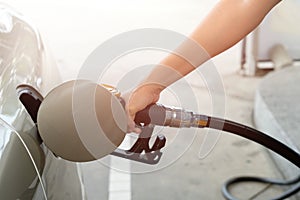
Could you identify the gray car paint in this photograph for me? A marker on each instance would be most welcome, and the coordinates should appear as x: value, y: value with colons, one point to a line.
x: 25, y: 60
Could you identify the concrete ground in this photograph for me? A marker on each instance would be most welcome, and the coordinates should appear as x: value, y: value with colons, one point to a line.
x: 74, y: 29
x: 280, y: 109
x: 191, y: 177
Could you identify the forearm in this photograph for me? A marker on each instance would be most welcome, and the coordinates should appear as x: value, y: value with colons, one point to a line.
x: 227, y: 23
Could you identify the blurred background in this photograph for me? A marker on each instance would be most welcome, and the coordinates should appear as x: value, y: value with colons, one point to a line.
x: 73, y: 29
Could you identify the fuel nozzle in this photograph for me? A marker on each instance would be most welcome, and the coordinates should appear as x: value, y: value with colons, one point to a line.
x: 66, y: 119
x: 82, y: 121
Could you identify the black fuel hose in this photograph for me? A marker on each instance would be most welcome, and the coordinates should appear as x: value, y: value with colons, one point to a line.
x: 267, y: 141
x: 293, y: 190
x: 176, y: 117
x: 256, y: 136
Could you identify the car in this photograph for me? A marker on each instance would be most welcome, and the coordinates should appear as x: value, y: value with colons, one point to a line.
x: 28, y: 170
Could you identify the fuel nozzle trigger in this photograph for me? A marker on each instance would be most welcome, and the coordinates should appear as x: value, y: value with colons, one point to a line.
x: 141, y: 150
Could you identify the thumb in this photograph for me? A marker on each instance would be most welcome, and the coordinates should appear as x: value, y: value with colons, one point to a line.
x: 130, y: 111
x: 131, y: 126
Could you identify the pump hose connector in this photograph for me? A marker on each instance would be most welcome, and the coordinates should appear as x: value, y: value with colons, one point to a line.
x: 161, y: 115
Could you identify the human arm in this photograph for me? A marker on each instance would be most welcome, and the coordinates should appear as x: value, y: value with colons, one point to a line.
x: 225, y: 25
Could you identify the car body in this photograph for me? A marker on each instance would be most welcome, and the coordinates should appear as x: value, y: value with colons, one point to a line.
x: 28, y: 170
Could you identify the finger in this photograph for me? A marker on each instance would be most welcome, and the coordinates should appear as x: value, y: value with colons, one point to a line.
x: 137, y: 130
x: 131, y: 127
x: 134, y: 129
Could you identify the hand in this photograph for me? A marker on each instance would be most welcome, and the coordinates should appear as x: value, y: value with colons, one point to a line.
x: 139, y: 99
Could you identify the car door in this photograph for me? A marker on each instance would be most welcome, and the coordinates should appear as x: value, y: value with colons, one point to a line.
x: 28, y: 170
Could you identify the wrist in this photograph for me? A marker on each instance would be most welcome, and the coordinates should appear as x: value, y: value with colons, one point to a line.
x: 153, y: 89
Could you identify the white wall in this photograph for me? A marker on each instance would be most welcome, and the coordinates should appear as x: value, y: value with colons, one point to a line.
x: 74, y: 28
x: 282, y: 25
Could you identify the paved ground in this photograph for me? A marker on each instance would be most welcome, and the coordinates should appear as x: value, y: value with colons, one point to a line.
x: 190, y: 177
x: 280, y: 109
x: 74, y: 29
